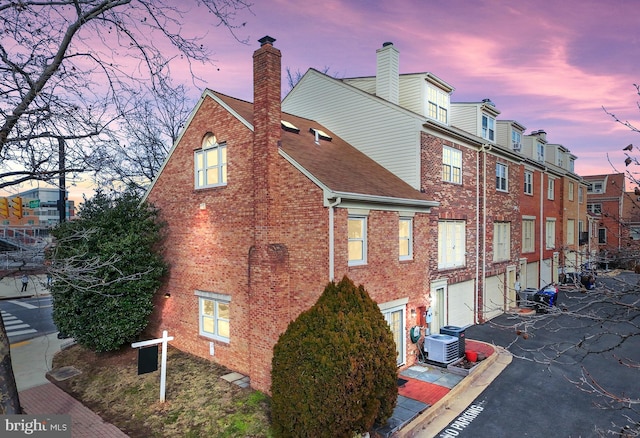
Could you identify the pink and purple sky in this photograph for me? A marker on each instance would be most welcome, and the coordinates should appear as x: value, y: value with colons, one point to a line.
x: 549, y: 64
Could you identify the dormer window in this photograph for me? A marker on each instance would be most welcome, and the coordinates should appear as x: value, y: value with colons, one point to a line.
x: 438, y: 105
x: 488, y: 128
x: 540, y: 150
x: 210, y: 163
x: 516, y: 140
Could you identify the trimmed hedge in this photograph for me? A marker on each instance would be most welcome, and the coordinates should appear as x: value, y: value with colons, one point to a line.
x: 334, y: 371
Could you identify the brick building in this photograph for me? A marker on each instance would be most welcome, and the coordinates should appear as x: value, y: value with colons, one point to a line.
x: 264, y: 208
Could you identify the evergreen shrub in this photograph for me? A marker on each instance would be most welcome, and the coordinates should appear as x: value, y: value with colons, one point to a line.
x: 334, y: 371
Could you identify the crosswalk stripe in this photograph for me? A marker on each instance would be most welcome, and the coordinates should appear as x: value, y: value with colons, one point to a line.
x: 15, y: 327
x: 13, y: 322
x: 23, y: 304
x: 21, y: 332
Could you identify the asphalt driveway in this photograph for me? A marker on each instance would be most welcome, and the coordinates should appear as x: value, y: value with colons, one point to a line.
x: 593, y: 336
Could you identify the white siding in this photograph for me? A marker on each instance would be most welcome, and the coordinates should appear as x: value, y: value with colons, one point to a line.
x: 461, y: 304
x: 359, y: 119
x: 494, y: 296
x: 367, y: 85
x: 465, y: 117
x: 413, y: 94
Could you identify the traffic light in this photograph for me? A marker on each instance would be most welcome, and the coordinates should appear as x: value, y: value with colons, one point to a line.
x: 4, y: 207
x: 16, y: 205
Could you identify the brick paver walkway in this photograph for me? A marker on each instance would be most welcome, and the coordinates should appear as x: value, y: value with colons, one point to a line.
x: 49, y: 399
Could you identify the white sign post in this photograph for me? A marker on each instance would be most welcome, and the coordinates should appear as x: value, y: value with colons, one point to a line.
x: 163, y: 365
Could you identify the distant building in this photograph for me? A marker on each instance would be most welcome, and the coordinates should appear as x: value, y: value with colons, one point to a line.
x: 45, y: 202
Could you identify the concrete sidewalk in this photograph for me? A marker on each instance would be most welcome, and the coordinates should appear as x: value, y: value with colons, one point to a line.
x: 31, y: 361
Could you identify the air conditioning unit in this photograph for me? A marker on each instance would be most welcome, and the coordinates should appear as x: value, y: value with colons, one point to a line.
x: 517, y: 147
x: 441, y: 349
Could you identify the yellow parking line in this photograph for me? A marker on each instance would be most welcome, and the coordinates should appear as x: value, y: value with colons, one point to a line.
x: 20, y: 344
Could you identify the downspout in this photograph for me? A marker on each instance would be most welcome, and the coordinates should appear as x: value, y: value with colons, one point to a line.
x: 331, y: 238
x: 476, y: 310
x: 542, y: 237
x: 485, y: 148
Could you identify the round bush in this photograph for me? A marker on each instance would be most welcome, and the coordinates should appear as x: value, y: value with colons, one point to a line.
x: 334, y: 370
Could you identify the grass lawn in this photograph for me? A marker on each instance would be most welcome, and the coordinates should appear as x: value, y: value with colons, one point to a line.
x: 198, y: 402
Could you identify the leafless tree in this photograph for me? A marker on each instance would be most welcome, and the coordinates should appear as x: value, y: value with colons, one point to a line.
x: 72, y: 72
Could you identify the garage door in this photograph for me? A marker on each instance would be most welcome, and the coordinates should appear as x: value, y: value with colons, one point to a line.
x: 494, y: 296
x: 461, y: 304
x: 532, y: 275
x: 545, y: 272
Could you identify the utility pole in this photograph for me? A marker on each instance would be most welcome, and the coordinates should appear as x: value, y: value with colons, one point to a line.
x: 62, y: 202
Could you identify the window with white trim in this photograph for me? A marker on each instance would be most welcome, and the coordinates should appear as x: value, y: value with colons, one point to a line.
x: 580, y: 194
x: 394, y: 314
x: 571, y: 231
x: 488, y: 128
x: 210, y: 163
x: 595, y: 187
x: 551, y: 185
x: 602, y: 236
x: 540, y: 152
x: 438, y: 102
x: 501, y: 241
x: 451, y: 244
x: 570, y: 191
x: 528, y: 182
x: 214, y: 315
x: 357, y: 240
x: 594, y: 208
x: 550, y: 234
x: 451, y: 165
x: 528, y: 235
x: 502, y: 184
x: 405, y: 237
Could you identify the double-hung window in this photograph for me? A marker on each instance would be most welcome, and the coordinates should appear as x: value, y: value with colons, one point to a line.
x: 571, y: 231
x: 451, y: 244
x: 540, y: 151
x: 438, y: 105
x: 488, y: 128
x: 528, y: 182
x: 571, y: 191
x: 501, y: 177
x: 595, y: 208
x: 501, y: 241
x: 550, y: 236
x: 451, y: 165
x: 405, y: 236
x: 528, y: 235
x: 211, y: 163
x: 602, y: 236
x: 551, y: 184
x: 214, y: 314
x: 357, y: 246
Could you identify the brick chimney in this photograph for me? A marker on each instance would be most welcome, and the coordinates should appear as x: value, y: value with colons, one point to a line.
x: 267, y: 118
x: 269, y: 298
x: 388, y: 73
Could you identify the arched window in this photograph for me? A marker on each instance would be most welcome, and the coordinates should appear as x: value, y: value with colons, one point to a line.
x: 211, y: 163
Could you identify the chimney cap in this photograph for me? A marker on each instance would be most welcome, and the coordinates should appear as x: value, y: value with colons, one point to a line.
x: 266, y: 40
x: 388, y: 43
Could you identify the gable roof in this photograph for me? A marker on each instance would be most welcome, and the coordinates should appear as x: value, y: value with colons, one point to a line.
x: 335, y: 165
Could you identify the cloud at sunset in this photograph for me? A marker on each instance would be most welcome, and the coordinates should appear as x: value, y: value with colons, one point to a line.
x: 547, y: 64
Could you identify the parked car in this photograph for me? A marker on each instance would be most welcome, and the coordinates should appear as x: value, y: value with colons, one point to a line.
x: 546, y: 298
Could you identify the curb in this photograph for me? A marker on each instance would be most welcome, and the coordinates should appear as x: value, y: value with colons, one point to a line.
x: 438, y: 416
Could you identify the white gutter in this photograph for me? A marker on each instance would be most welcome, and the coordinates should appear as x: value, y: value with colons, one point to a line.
x: 484, y: 223
x: 475, y: 310
x: 542, y: 222
x: 332, y: 238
